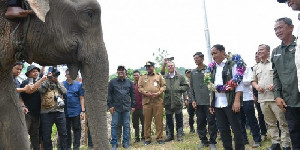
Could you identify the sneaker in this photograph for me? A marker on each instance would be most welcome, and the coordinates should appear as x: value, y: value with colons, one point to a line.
x: 286, y: 148
x: 212, y: 146
x: 169, y: 138
x: 202, y: 145
x: 147, y: 142
x: 114, y: 147
x: 160, y: 142
x: 256, y: 145
x: 275, y: 147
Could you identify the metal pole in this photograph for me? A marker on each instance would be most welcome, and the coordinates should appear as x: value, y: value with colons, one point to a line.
x: 206, y: 31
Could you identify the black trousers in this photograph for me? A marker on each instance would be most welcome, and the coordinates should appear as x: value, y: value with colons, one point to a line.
x: 13, y: 3
x: 292, y: 116
x: 138, y: 116
x: 226, y: 118
x: 33, y: 124
x: 191, y: 112
x: 74, y: 123
x: 261, y: 120
x: 204, y: 117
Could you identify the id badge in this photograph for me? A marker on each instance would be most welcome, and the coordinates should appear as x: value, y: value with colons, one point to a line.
x: 155, y: 83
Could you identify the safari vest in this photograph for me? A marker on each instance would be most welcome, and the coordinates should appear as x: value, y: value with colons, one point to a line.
x: 226, y: 76
x: 47, y: 98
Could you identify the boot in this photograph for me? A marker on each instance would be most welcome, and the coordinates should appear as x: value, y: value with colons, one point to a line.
x: 170, y: 127
x: 179, y: 126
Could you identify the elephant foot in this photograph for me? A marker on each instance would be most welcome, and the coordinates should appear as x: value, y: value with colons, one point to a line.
x: 17, y: 12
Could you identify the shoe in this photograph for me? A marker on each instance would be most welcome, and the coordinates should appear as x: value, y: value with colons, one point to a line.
x: 126, y: 146
x: 275, y: 147
x: 256, y: 145
x: 169, y: 138
x: 136, y: 140
x: 147, y: 142
x: 286, y: 148
x: 114, y: 147
x: 212, y: 146
x: 263, y: 137
x: 202, y: 145
x: 160, y: 142
x: 246, y: 142
x: 142, y: 139
x: 179, y: 138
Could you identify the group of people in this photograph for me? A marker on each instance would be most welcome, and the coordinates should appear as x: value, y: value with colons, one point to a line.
x: 270, y: 86
x: 46, y: 101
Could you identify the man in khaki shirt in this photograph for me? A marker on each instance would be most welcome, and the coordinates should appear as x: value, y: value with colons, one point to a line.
x: 152, y: 86
x: 263, y: 83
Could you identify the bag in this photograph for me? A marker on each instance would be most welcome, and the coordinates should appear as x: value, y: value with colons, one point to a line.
x: 47, y: 99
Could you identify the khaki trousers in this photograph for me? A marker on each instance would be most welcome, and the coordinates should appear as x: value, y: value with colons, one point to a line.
x: 153, y: 109
x: 273, y: 113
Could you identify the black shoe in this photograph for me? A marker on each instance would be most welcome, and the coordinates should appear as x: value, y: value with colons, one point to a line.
x: 147, y: 142
x: 275, y: 147
x: 286, y: 148
x: 192, y: 131
x: 246, y: 142
x: 169, y: 138
x: 160, y: 142
x: 137, y: 140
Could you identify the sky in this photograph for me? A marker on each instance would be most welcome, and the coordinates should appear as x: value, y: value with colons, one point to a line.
x: 135, y: 29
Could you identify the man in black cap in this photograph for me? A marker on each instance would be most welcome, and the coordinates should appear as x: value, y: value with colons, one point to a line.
x: 152, y: 86
x: 120, y: 101
x: 33, y: 103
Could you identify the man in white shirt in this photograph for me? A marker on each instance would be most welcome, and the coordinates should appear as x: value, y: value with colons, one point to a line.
x: 227, y: 104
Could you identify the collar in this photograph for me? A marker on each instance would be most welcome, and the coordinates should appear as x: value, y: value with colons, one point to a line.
x: 267, y: 61
x: 293, y: 43
x: 222, y: 63
x: 204, y: 68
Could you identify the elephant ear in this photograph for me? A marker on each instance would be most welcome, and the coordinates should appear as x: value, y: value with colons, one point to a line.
x: 40, y: 7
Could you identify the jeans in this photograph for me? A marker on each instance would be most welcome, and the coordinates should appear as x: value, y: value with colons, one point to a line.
x: 261, y: 120
x: 226, y: 118
x: 293, y: 119
x: 116, y: 117
x: 204, y: 117
x: 247, y: 111
x: 191, y: 112
x: 33, y: 124
x: 75, y: 124
x: 47, y: 120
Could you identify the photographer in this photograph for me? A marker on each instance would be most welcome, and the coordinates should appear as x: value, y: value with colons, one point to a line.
x: 52, y: 109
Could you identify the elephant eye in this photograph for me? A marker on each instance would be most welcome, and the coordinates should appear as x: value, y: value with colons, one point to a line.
x: 90, y: 13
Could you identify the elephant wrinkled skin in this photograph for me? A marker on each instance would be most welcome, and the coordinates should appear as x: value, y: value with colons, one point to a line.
x: 72, y: 35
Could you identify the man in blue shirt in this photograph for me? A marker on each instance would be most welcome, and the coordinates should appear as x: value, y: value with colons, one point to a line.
x: 74, y: 109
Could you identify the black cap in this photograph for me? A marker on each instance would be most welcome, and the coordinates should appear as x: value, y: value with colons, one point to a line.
x: 149, y: 63
x: 187, y: 71
x: 282, y: 1
x: 31, y: 67
x: 121, y: 67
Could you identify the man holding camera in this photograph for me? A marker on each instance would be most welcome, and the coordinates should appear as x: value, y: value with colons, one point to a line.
x: 52, y: 109
x: 31, y: 103
x: 74, y: 110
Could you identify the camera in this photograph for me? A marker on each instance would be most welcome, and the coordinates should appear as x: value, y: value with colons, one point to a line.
x: 54, y: 71
x: 170, y: 59
x: 60, y: 102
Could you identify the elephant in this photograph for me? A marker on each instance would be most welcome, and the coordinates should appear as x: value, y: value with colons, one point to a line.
x: 69, y: 33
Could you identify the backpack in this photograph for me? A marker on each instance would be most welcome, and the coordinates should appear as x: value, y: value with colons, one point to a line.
x: 47, y: 98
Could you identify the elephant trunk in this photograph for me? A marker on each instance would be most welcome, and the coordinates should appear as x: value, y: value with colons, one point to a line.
x: 95, y: 80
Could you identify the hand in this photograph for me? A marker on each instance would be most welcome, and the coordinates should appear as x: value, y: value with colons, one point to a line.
x: 259, y: 89
x: 82, y: 116
x: 211, y: 110
x: 281, y: 103
x: 166, y: 60
x: 271, y: 87
x: 28, y: 88
x: 186, y: 103
x: 25, y: 109
x: 154, y: 95
x: 148, y: 94
x: 236, y: 106
x: 44, y: 78
x: 194, y: 104
x: 132, y: 110
x: 112, y: 110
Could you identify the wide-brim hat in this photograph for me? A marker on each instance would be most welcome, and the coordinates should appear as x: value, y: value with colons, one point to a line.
x: 31, y: 67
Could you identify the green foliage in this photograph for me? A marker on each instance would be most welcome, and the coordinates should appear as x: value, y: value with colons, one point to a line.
x: 54, y: 132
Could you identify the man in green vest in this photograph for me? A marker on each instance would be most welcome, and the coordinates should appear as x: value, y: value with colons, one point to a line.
x: 226, y: 105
